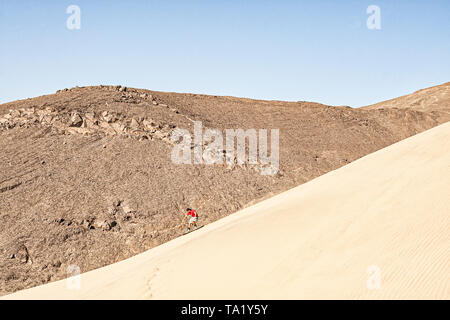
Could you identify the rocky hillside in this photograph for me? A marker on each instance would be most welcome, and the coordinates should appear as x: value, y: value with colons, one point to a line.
x: 86, y: 176
x: 434, y: 99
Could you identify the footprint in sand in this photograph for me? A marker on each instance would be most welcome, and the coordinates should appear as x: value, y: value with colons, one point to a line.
x: 148, y: 294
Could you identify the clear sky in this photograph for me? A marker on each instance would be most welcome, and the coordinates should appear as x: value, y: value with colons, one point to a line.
x: 286, y: 50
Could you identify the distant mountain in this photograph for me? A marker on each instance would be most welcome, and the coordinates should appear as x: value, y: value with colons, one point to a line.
x: 431, y: 99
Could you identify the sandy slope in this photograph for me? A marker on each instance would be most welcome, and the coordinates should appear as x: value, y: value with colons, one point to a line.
x: 92, y: 195
x: 389, y: 209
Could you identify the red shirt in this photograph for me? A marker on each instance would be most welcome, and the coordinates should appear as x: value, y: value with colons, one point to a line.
x: 192, y: 213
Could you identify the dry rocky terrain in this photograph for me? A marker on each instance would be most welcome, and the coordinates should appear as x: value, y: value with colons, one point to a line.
x: 86, y: 176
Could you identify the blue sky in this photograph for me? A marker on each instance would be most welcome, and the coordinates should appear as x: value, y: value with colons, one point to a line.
x: 286, y: 50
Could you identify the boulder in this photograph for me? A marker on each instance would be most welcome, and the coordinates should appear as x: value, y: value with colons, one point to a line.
x: 22, y: 254
x: 14, y: 113
x: 118, y: 127
x: 90, y: 116
x: 148, y: 123
x: 108, y: 117
x: 103, y: 225
x: 134, y: 124
x: 127, y: 209
x: 87, y: 224
x: 76, y: 120
x: 46, y: 118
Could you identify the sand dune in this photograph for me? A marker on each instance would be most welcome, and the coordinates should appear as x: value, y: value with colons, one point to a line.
x: 87, y: 179
x: 388, y: 212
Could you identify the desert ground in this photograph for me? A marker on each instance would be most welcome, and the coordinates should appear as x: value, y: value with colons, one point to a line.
x: 388, y: 212
x: 86, y: 179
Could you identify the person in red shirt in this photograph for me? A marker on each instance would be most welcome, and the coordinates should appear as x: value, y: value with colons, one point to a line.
x: 193, y: 218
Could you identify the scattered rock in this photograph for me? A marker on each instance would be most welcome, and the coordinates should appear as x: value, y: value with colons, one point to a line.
x: 108, y: 117
x: 10, y: 276
x: 103, y: 225
x: 56, y: 264
x: 46, y: 118
x: 90, y: 116
x: 14, y: 113
x: 148, y: 123
x: 112, y: 211
x: 119, y: 128
x: 87, y: 224
x: 76, y: 120
x: 134, y: 124
x: 106, y: 123
x: 22, y: 255
x: 127, y: 209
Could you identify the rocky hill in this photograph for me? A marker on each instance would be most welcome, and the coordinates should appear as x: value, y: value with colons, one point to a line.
x: 86, y: 176
x: 434, y: 99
